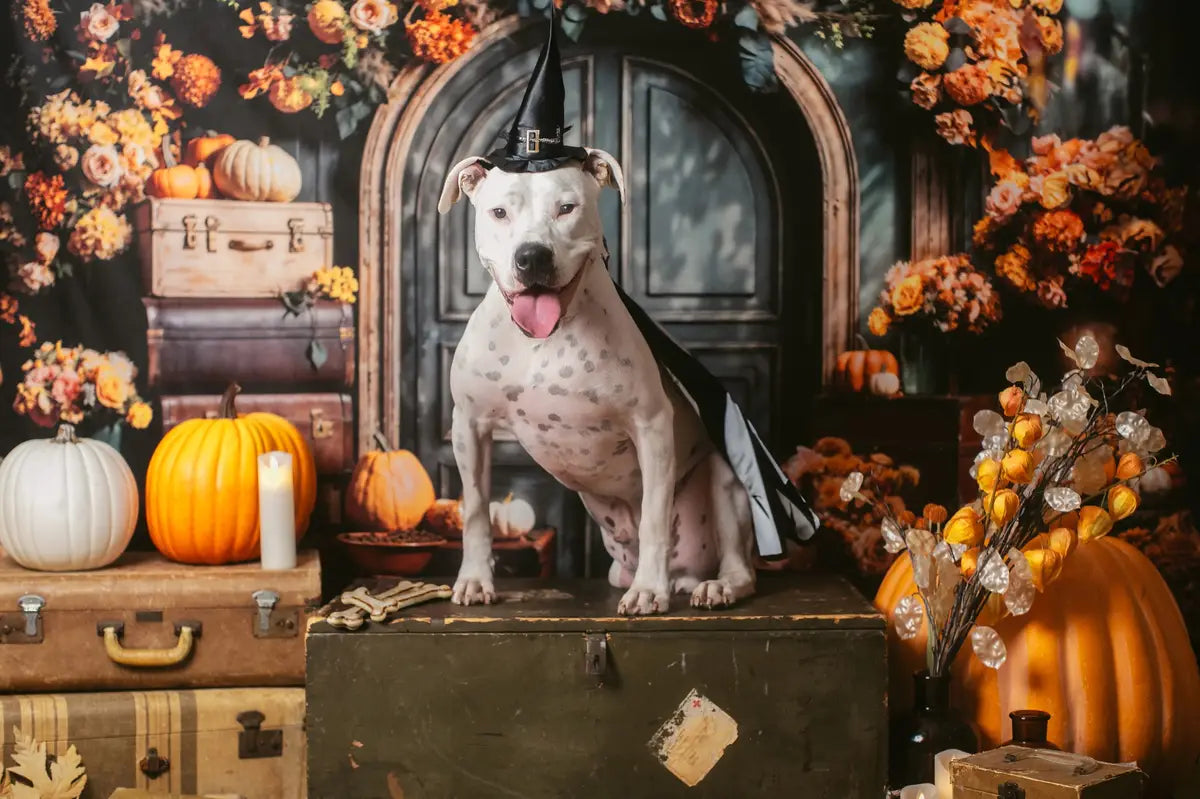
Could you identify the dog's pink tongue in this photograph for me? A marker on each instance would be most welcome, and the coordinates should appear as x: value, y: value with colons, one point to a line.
x: 537, y: 314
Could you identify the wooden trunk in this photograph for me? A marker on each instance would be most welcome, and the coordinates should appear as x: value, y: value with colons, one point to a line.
x: 196, y: 345
x: 1016, y: 772
x: 192, y: 742
x: 325, y: 420
x: 550, y: 694
x: 205, y: 625
x: 229, y: 248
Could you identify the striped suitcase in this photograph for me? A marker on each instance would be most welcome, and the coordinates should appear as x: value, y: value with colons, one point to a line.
x: 229, y: 742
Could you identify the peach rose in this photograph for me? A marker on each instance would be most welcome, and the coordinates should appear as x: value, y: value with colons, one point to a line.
x: 65, y: 388
x: 111, y: 390
x: 34, y: 276
x: 955, y: 126
x: 927, y: 90
x: 98, y: 23
x: 46, y: 245
x: 1003, y: 200
x: 101, y: 165
x: 908, y: 296
x: 373, y: 15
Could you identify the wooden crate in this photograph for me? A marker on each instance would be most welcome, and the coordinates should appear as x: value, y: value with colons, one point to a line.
x: 229, y: 248
x: 550, y: 694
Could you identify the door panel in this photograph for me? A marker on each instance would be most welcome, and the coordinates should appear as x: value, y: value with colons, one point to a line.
x: 701, y: 243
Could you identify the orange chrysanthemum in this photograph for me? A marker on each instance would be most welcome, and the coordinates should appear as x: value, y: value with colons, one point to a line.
x: 1059, y: 231
x: 40, y: 22
x: 968, y: 85
x: 47, y: 198
x: 8, y: 308
x: 935, y: 514
x: 28, y: 335
x: 196, y: 79
x: 439, y: 38
x: 694, y: 13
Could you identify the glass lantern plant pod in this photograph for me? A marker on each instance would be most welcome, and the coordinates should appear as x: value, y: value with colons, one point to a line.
x: 1056, y: 470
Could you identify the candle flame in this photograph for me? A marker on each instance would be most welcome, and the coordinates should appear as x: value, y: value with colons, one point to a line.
x: 272, y: 461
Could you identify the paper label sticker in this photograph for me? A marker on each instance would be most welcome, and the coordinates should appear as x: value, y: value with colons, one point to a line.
x: 691, y: 742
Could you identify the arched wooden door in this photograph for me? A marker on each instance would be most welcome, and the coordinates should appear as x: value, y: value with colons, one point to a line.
x: 720, y: 239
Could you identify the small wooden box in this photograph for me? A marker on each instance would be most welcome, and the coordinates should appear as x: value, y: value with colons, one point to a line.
x: 229, y: 248
x: 549, y: 694
x: 1016, y: 772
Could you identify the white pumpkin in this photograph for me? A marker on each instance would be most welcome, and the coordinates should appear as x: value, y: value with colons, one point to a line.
x: 66, y: 503
x: 884, y: 384
x: 1155, y: 482
x: 257, y: 171
x: 512, y: 517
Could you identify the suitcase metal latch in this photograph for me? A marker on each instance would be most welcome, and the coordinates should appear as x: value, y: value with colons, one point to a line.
x: 1010, y: 790
x: 268, y: 622
x: 296, y: 239
x: 211, y: 224
x: 595, y: 657
x: 189, y: 232
x: 321, y: 427
x: 154, y: 765
x: 26, y: 627
x: 255, y: 742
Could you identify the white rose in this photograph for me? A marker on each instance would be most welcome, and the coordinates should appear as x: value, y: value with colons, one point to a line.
x: 372, y: 15
x: 101, y: 165
x: 99, y: 24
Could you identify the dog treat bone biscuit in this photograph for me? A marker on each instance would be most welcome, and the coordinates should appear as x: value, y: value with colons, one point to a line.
x: 348, y: 619
x: 403, y: 595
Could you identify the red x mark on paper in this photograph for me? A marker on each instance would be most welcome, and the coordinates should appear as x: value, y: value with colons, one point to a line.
x: 695, y: 703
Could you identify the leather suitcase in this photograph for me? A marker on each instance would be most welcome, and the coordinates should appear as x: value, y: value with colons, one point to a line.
x: 325, y: 420
x: 196, y: 346
x: 226, y: 742
x: 146, y: 622
x: 229, y: 248
x: 548, y: 693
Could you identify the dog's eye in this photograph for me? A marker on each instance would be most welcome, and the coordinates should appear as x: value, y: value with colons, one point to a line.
x: 499, y: 213
x: 566, y: 208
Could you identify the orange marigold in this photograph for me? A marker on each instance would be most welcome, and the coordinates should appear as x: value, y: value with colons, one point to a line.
x: 1059, y: 231
x: 47, y: 198
x: 439, y: 38
x: 40, y: 22
x: 196, y: 79
x: 968, y: 85
x: 694, y: 13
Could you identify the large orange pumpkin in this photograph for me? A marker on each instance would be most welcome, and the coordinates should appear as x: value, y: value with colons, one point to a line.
x: 202, y: 484
x: 389, y: 490
x: 855, y: 368
x: 1104, y: 651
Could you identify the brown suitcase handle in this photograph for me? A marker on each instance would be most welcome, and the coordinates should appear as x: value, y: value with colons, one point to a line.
x: 188, y: 632
x: 241, y: 245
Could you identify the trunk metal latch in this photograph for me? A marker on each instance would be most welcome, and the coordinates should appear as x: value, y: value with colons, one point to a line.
x: 154, y: 765
x: 255, y: 742
x: 595, y: 658
x: 1010, y: 790
x: 270, y: 623
x: 24, y: 627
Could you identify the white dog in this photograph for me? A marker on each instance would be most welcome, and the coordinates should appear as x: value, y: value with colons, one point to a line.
x: 553, y: 355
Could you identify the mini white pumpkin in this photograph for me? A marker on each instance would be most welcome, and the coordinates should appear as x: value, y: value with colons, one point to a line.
x: 512, y: 517
x: 66, y: 503
x: 1154, y: 482
x: 884, y: 384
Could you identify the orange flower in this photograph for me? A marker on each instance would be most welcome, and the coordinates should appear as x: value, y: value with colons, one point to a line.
x: 927, y: 45
x: 40, y: 22
x: 1056, y: 190
x: 989, y: 474
x: 8, y: 308
x: 1011, y: 400
x: 926, y: 90
x: 47, y: 198
x: 878, y: 322
x: 1051, y: 33
x: 1094, y: 522
x: 111, y: 389
x: 288, y: 96
x: 261, y: 80
x: 196, y: 79
x: 1013, y: 266
x: 1002, y: 506
x: 968, y: 85
x: 1017, y: 465
x: 1027, y: 430
x: 1130, y: 466
x: 139, y: 415
x: 28, y: 335
x: 438, y: 38
x: 969, y: 562
x: 1122, y: 502
x: 908, y: 296
x: 964, y: 528
x: 1059, y: 231
x: 934, y: 514
x: 694, y: 13
x: 165, y: 58
x: 955, y: 127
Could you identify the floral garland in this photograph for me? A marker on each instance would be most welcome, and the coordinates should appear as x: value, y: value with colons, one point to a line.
x: 70, y: 384
x: 946, y: 292
x: 1081, y: 214
x: 971, y: 62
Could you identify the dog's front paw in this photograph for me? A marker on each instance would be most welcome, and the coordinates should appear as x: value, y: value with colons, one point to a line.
x: 720, y: 593
x: 473, y: 590
x: 640, y: 601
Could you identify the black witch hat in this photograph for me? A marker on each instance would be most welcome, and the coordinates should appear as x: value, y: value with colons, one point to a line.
x: 535, y: 141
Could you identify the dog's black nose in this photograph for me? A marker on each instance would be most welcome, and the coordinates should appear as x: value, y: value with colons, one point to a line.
x: 534, y: 263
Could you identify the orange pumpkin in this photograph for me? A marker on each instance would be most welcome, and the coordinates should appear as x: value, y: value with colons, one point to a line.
x: 177, y: 182
x: 204, y: 183
x: 202, y: 484
x: 1104, y: 651
x: 389, y: 490
x: 203, y: 149
x: 855, y: 368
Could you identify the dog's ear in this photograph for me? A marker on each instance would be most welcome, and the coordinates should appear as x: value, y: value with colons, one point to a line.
x: 605, y: 169
x: 464, y: 178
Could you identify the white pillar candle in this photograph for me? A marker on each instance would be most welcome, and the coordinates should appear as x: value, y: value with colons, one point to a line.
x: 276, y: 511
x: 922, y: 791
x: 941, y: 771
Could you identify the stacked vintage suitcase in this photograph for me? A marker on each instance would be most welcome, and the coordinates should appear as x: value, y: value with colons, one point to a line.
x: 188, y: 680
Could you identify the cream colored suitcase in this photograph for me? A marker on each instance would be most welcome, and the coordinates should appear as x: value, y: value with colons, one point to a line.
x: 230, y: 248
x: 240, y: 742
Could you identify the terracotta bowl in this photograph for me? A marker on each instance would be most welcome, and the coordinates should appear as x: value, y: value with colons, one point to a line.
x: 387, y: 554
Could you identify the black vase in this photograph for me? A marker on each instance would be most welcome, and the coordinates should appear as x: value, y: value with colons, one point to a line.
x: 1029, y: 729
x: 933, y: 726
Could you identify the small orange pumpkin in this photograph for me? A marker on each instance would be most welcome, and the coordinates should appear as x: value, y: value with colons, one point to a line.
x: 389, y: 490
x: 204, y: 183
x: 203, y: 149
x: 177, y: 181
x: 855, y: 368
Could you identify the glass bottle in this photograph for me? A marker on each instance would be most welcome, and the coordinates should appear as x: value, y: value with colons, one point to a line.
x: 931, y: 727
x: 1029, y: 729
